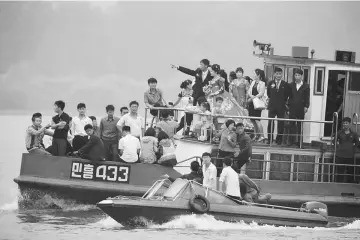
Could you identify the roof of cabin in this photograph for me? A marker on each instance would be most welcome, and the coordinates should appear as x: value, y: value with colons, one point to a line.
x: 309, y: 60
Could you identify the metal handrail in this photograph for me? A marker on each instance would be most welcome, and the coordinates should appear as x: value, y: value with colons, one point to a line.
x: 188, y: 159
x: 242, y: 117
x: 336, y: 122
x: 356, y: 116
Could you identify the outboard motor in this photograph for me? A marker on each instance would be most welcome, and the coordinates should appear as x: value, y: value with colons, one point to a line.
x: 315, y: 207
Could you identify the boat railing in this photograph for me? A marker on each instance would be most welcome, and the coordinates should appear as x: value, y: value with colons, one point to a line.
x: 288, y: 121
x: 197, y: 158
x: 318, y: 170
x: 355, y: 121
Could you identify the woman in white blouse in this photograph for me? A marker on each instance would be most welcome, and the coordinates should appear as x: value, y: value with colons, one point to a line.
x: 257, y: 90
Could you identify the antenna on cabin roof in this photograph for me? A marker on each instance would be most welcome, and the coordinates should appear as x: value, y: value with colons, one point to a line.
x: 264, y: 47
x: 312, y: 53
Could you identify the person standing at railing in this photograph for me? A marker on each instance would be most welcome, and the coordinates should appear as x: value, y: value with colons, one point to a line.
x: 239, y: 88
x: 202, y: 78
x: 299, y: 103
x: 228, y: 140
x: 257, y: 90
x: 278, y: 92
x: 244, y: 155
x: 348, y: 141
x: 209, y: 171
x: 185, y: 99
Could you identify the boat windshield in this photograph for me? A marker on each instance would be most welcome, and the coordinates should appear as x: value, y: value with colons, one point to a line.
x: 158, y: 189
x: 175, y: 188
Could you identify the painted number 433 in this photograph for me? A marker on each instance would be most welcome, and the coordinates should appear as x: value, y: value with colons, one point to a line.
x: 113, y: 173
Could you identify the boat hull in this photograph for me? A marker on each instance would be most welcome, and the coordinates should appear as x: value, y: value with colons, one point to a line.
x: 83, y: 181
x: 133, y: 213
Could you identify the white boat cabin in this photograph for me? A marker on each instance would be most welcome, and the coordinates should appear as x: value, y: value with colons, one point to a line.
x: 334, y: 87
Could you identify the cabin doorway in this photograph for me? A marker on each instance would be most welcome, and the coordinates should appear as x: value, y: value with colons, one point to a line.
x: 335, y: 98
x: 352, y: 98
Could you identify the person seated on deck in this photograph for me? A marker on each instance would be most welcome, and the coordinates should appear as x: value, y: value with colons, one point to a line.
x: 205, y: 123
x: 95, y: 126
x: 94, y: 148
x: 149, y: 146
x: 194, y: 175
x: 190, y: 116
x: 201, y: 122
x: 166, y: 153
x: 129, y: 146
x: 218, y: 110
x: 171, y: 112
x: 231, y: 180
x: 35, y: 134
x: 166, y: 124
x: 250, y: 192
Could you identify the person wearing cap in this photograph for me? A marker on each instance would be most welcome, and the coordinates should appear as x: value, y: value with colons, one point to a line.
x: 347, y: 141
x: 299, y: 103
x: 202, y: 78
x: 278, y: 92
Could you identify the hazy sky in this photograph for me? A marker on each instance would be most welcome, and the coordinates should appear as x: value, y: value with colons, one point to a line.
x: 103, y: 54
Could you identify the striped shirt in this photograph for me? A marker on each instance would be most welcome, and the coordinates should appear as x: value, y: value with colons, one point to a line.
x: 34, y: 137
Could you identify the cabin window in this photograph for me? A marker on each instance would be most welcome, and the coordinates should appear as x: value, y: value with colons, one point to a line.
x: 291, y: 74
x: 319, y: 81
x: 269, y: 72
x: 306, y: 76
x: 354, y: 81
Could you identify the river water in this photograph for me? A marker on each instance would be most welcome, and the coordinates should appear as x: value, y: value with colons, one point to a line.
x: 74, y: 221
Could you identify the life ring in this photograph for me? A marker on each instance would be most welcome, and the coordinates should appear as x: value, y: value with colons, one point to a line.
x: 199, y: 204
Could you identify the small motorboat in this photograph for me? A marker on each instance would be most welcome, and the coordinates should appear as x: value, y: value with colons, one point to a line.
x: 165, y: 201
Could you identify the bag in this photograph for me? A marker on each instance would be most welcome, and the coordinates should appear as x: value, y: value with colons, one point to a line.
x: 259, y: 104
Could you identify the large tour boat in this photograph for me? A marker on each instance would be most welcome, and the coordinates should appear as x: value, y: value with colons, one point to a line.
x: 293, y: 175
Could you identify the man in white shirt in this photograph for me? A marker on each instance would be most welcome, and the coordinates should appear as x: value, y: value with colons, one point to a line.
x: 129, y: 146
x: 209, y: 171
x: 78, y: 133
x: 231, y: 180
x: 133, y: 120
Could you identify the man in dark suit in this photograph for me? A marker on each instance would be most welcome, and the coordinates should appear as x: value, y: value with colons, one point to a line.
x: 94, y: 149
x: 278, y: 92
x: 202, y: 77
x: 298, y: 105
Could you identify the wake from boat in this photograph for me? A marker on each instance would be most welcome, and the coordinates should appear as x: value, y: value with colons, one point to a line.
x: 209, y: 223
x: 47, y: 202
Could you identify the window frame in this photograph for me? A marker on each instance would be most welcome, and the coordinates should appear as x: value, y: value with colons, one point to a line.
x: 317, y: 69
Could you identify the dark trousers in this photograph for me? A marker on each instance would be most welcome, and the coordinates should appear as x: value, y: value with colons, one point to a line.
x: 280, y: 125
x: 219, y: 162
x: 296, y: 129
x: 189, y: 118
x: 344, y: 174
x: 59, y: 147
x: 195, y: 99
x: 79, y: 142
x: 111, y: 150
x: 239, y: 162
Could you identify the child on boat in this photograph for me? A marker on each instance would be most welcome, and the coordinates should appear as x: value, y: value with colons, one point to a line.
x: 202, y: 126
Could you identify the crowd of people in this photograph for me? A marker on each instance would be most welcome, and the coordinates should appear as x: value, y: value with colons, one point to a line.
x: 211, y: 93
